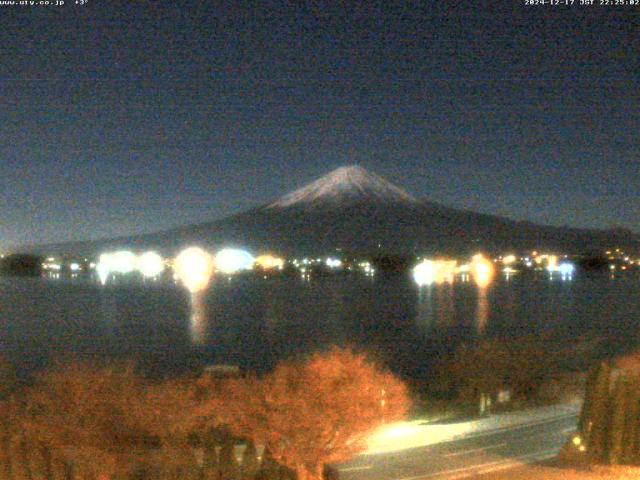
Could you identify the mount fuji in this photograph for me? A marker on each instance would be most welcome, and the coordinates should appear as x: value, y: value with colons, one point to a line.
x: 345, y: 185
x: 353, y: 210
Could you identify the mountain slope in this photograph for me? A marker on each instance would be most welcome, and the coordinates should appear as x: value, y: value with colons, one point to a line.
x: 354, y: 210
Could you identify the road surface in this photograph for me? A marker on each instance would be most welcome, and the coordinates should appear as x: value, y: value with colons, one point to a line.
x: 475, y: 454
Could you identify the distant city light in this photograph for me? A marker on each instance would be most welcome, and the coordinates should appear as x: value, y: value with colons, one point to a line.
x: 333, y: 262
x: 434, y: 271
x: 231, y: 260
x: 51, y: 266
x: 150, y: 264
x: 194, y: 268
x: 74, y: 267
x: 424, y: 273
x: 367, y: 268
x: 269, y: 262
x: 566, y: 269
x: 509, y: 259
x: 464, y: 268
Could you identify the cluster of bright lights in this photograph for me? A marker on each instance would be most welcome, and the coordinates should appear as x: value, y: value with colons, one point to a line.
x: 549, y: 261
x: 149, y: 264
x: 622, y: 260
x: 428, y: 272
x: 232, y: 260
x: 578, y: 443
x: 308, y: 265
x: 367, y: 268
x: 333, y: 262
x: 306, y: 261
x: 51, y: 265
x: 565, y: 269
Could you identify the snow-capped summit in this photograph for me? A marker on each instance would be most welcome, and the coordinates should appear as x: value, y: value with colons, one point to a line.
x: 345, y: 184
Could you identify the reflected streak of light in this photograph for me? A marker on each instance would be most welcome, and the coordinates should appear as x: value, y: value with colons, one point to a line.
x: 424, y: 311
x: 194, y: 268
x: 198, y: 322
x: 103, y: 269
x: 482, y: 310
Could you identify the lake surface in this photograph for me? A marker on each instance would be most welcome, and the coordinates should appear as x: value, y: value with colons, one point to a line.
x: 252, y: 322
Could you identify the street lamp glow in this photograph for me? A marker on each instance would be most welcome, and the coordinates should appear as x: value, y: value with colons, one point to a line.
x: 434, y: 271
x: 194, y: 268
x: 123, y: 262
x: 509, y: 259
x: 482, y: 270
x: 424, y: 273
x: 231, y: 260
x: 566, y: 269
x: 150, y: 264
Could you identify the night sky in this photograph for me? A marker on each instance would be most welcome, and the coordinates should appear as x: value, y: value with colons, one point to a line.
x: 119, y: 118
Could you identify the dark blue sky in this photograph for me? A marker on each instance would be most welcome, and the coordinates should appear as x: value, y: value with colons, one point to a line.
x: 118, y: 118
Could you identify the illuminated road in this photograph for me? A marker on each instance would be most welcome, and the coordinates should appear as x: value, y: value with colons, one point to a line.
x: 473, y: 455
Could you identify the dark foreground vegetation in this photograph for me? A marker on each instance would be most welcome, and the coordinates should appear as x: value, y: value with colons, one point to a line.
x: 609, y: 426
x: 21, y: 265
x: 491, y: 375
x: 78, y: 421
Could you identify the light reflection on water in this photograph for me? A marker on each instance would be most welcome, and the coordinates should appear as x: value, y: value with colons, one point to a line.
x: 198, y: 321
x: 482, y: 310
x: 254, y: 321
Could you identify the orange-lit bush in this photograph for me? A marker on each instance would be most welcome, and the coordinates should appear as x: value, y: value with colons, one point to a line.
x: 103, y: 417
x: 314, y: 412
x: 82, y: 405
